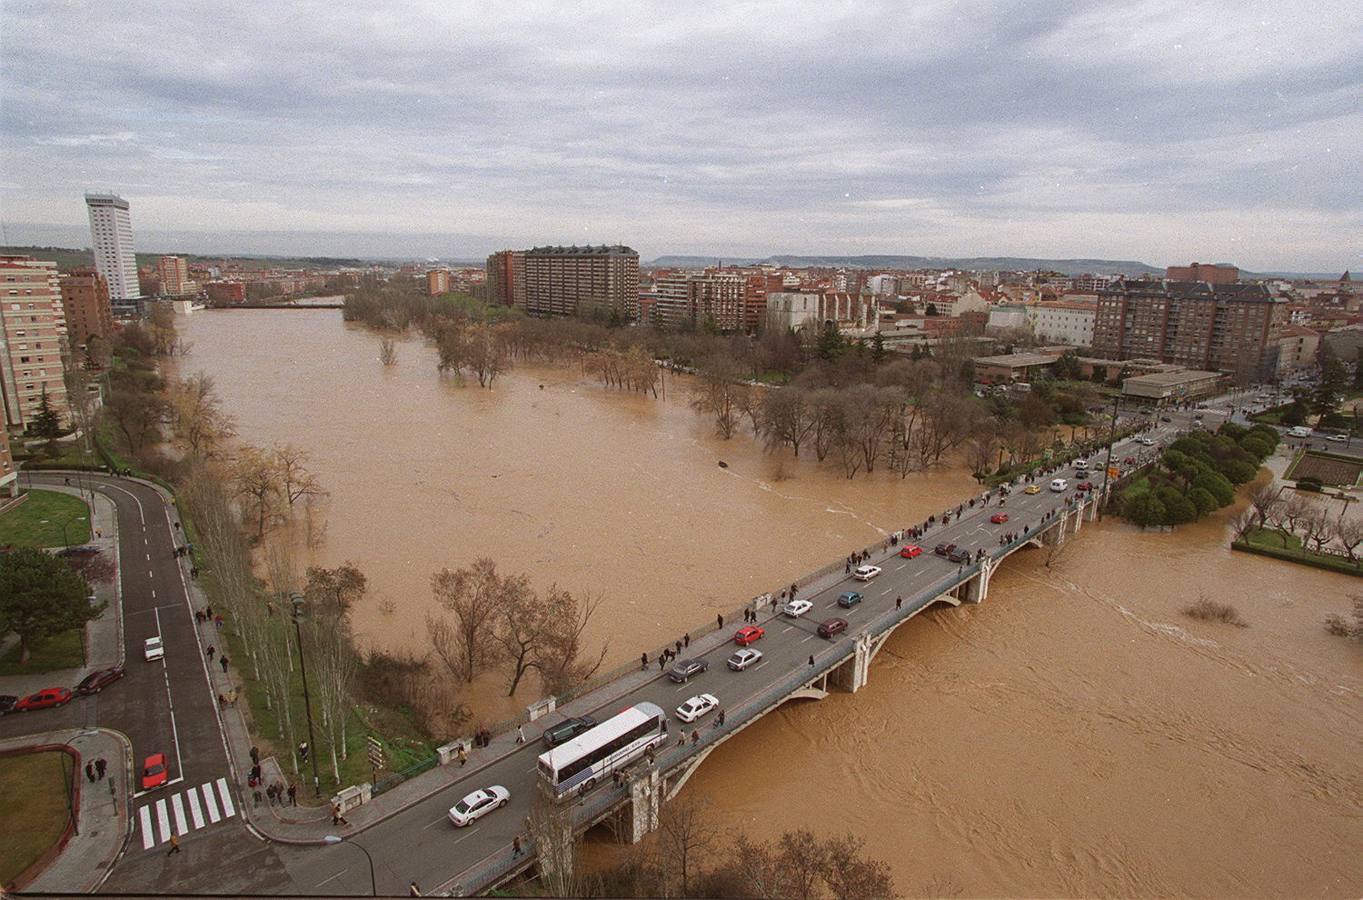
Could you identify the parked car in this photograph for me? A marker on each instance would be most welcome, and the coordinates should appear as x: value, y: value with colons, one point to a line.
x: 959, y: 555
x: 154, y: 772
x: 696, y: 707
x: 1032, y: 489
x: 99, y: 680
x: 743, y: 659
x: 567, y: 730
x: 748, y: 633
x: 830, y: 627
x: 152, y: 648
x: 865, y: 573
x: 849, y: 599
x: 478, y: 804
x: 683, y: 670
x: 909, y: 551
x: 44, y: 699
x: 1165, y: 419
x: 943, y: 549
x: 7, y: 703
x: 797, y: 608
x: 999, y: 518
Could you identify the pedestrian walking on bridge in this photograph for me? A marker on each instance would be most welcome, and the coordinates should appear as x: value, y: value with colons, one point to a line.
x: 223, y: 660
x: 720, y: 620
x: 643, y: 661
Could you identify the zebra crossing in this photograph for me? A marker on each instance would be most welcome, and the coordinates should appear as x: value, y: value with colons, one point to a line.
x: 182, y: 812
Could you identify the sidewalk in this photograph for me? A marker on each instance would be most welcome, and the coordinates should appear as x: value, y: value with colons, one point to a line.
x: 103, y: 823
x: 103, y: 636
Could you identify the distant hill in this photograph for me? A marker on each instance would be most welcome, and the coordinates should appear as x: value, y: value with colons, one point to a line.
x: 1002, y: 263
x: 68, y: 258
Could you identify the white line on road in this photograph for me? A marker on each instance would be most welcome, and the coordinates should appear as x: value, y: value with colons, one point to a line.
x: 211, y: 802
x: 181, y: 827
x: 333, y: 878
x: 162, y: 820
x: 144, y: 819
x: 810, y: 638
x: 228, y: 810
x: 887, y: 591
x: 447, y: 818
x: 170, y: 701
x: 195, y: 812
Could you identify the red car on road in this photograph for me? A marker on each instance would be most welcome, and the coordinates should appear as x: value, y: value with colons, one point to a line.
x: 99, y: 680
x: 909, y: 551
x: 747, y: 634
x: 999, y: 518
x: 1084, y: 486
x: 47, y: 697
x: 154, y: 773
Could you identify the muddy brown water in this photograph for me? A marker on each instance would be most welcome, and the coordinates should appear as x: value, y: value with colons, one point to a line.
x: 1074, y: 735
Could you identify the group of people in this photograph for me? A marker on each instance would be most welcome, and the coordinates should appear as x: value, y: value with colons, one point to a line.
x: 95, y: 769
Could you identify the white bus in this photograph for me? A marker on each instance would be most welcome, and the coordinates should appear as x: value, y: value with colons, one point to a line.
x: 596, y: 753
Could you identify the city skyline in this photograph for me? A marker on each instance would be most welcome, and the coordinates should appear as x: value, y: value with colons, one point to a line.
x: 1154, y: 132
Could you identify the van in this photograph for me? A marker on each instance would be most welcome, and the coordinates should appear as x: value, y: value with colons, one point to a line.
x: 1300, y: 431
x: 1059, y: 484
x: 1081, y: 465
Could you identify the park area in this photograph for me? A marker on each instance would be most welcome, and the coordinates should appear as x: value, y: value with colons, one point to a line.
x: 1326, y: 468
x: 45, y: 519
x: 34, y: 812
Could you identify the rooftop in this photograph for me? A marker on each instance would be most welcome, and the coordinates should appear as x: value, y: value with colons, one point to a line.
x: 1016, y: 360
x: 1166, y: 379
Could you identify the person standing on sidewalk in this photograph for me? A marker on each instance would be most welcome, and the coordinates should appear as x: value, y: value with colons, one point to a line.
x: 90, y: 771
x: 174, y: 846
x: 516, y: 846
x: 210, y: 651
x: 686, y: 639
x: 255, y: 756
x: 520, y: 734
x: 100, y: 766
x: 293, y: 795
x: 463, y: 756
x: 223, y: 660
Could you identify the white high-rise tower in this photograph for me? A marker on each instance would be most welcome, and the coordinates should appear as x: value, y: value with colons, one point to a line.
x: 111, y: 234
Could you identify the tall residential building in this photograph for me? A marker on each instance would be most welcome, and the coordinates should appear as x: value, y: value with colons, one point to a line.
x: 506, y: 278
x: 174, y: 274
x: 1203, y: 272
x: 564, y: 281
x: 9, y: 478
x: 85, y: 302
x: 31, y: 335
x: 437, y: 282
x: 715, y: 299
x: 111, y: 234
x: 1218, y: 327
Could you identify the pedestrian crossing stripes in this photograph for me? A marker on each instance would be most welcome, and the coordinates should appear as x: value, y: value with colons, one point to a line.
x: 184, y: 813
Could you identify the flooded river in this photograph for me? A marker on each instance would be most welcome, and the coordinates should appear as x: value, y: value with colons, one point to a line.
x: 1074, y: 735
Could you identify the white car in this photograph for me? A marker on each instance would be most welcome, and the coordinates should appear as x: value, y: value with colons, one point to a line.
x: 797, y: 608
x: 1058, y: 485
x: 744, y: 658
x: 866, y: 573
x: 1149, y: 442
x: 696, y: 707
x: 479, y: 804
x: 153, y: 649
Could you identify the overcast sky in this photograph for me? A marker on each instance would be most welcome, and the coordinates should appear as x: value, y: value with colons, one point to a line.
x: 1163, y: 131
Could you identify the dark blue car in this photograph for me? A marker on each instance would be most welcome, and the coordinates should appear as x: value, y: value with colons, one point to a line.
x: 849, y: 599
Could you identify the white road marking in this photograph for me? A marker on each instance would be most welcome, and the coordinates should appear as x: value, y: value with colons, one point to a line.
x: 228, y: 810
x: 211, y: 802
x: 144, y: 819
x: 447, y: 818
x: 811, y: 637
x: 333, y: 878
x: 887, y: 591
x: 181, y: 827
x: 194, y: 811
x: 162, y: 820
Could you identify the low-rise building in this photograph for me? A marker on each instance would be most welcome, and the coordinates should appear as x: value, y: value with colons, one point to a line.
x: 1297, y: 348
x: 1175, y: 386
x: 1011, y: 367
x: 1064, y: 323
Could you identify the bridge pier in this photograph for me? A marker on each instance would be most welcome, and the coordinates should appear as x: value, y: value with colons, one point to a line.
x: 977, y: 589
x: 640, y: 815
x: 851, y: 675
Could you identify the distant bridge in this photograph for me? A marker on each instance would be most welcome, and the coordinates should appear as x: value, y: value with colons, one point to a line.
x: 278, y: 305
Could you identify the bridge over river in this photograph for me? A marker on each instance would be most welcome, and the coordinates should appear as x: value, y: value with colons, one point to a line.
x: 797, y: 664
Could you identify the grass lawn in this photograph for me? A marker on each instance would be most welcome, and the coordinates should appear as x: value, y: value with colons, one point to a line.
x: 34, y: 813
x: 1269, y: 537
x: 38, y: 521
x: 1292, y: 551
x: 61, y: 651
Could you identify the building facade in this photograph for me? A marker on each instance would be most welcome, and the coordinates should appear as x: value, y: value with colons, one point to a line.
x: 32, y: 327
x: 111, y: 236
x: 174, y: 274
x: 1297, y: 348
x: 1203, y: 272
x: 85, y: 304
x: 715, y: 300
x: 9, y: 478
x: 226, y: 293
x: 506, y: 278
x: 437, y: 282
x: 568, y: 281
x: 1216, y: 327
x: 1064, y: 323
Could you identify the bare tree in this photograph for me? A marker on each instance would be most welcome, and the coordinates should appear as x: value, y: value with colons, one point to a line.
x: 201, y: 425
x: 295, y: 481
x: 522, y: 619
x: 1349, y: 535
x: 331, y: 594
x: 561, y: 657
x: 556, y: 846
x: 1319, y: 528
x: 256, y: 478
x: 786, y: 417
x: 473, y: 595
x: 852, y: 876
x: 686, y: 839
x: 1263, y: 501
x: 717, y: 393
x: 487, y: 354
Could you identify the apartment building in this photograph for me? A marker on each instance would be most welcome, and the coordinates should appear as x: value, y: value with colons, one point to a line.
x: 174, y: 274
x: 1297, y: 348
x: 1223, y: 327
x: 9, y: 477
x: 506, y: 278
x: 567, y: 281
x: 85, y: 305
x: 437, y: 282
x: 1064, y: 323
x: 715, y: 299
x: 111, y: 236
x: 32, y: 331
x: 1203, y: 272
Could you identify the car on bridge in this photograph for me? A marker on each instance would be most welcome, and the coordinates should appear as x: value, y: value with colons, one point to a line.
x: 1084, y: 486
x: 1145, y: 441
x: 44, y: 699
x: 943, y: 549
x: 749, y: 633
x: 154, y: 772
x: 152, y: 648
x: 999, y: 518
x: 683, y: 670
x: 743, y: 659
x: 696, y: 707
x: 959, y: 555
x: 849, y: 599
x: 797, y: 608
x: 829, y: 627
x: 99, y: 680
x: 865, y: 573
x: 478, y: 804
x: 1032, y: 489
x: 7, y: 703
x: 567, y: 730
x: 909, y: 551
x: 1059, y: 485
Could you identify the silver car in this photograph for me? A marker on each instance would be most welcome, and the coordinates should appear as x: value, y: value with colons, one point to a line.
x: 743, y: 659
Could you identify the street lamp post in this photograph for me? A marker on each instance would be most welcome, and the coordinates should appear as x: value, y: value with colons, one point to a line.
x: 373, y: 882
x: 1111, y: 439
x: 297, y: 600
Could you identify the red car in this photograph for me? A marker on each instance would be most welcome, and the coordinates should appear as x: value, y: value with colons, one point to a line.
x: 909, y: 551
x: 154, y: 773
x: 56, y: 696
x: 747, y: 634
x: 999, y: 518
x: 1084, y: 486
